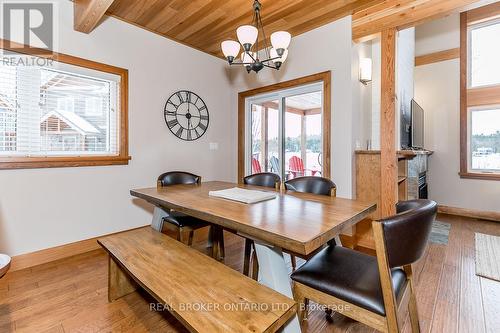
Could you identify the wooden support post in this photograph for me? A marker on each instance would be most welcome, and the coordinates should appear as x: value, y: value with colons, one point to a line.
x: 303, y: 148
x: 263, y: 138
x: 119, y: 283
x: 388, y: 169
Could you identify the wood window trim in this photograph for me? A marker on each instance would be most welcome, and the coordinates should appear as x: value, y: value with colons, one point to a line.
x: 324, y: 77
x: 473, y: 97
x: 75, y: 161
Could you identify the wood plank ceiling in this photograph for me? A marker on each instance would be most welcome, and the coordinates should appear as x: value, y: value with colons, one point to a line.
x: 204, y: 24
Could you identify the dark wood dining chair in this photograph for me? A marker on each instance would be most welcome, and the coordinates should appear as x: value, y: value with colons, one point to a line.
x: 181, y: 223
x: 314, y: 185
x: 265, y: 179
x: 376, y: 291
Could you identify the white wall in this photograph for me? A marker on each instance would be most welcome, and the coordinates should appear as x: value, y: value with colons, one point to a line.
x: 405, y: 63
x: 326, y: 48
x: 42, y: 208
x: 437, y: 90
x: 376, y: 92
x: 363, y: 94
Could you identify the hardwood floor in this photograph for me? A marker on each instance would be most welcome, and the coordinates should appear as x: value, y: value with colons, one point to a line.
x: 70, y: 295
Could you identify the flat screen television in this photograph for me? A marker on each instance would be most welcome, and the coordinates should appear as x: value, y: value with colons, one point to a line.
x: 417, y: 125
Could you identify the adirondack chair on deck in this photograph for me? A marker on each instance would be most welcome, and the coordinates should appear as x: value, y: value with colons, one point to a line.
x: 297, y: 169
x: 275, y: 164
x: 256, y: 166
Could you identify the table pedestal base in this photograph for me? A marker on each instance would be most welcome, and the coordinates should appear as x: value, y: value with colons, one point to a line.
x: 273, y: 273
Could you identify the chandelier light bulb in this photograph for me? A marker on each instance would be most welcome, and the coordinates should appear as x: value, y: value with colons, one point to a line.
x: 230, y: 48
x: 280, y: 40
x: 247, y: 35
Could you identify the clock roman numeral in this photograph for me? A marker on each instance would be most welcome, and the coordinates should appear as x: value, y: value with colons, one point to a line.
x: 169, y: 102
x: 179, y: 132
x: 197, y: 134
x: 172, y: 123
x: 188, y: 96
x: 204, y: 117
x: 188, y: 134
x: 202, y: 126
x: 170, y: 113
x: 179, y: 96
x: 202, y: 108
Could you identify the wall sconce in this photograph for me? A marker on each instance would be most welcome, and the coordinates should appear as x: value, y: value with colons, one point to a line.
x: 365, y: 70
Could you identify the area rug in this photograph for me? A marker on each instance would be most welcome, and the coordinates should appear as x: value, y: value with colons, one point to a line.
x: 488, y: 256
x: 440, y: 232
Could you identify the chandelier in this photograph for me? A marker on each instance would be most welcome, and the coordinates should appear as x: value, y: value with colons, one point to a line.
x: 248, y: 35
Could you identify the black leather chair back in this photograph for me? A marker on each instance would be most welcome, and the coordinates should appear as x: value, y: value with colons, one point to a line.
x: 178, y: 177
x: 310, y: 184
x: 266, y: 179
x: 406, y: 233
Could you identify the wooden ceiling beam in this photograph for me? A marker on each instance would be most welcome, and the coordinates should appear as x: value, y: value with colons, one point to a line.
x: 88, y: 13
x: 401, y: 14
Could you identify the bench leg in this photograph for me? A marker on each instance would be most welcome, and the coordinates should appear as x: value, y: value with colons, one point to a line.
x: 119, y: 283
x: 273, y: 273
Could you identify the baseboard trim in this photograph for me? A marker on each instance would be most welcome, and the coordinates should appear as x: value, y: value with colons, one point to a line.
x: 476, y: 214
x: 31, y: 259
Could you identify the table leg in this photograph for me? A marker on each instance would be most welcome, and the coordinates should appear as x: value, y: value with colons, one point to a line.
x: 273, y: 273
x: 119, y: 283
x: 158, y: 215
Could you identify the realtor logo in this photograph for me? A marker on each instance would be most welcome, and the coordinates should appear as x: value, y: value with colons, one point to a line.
x: 28, y: 26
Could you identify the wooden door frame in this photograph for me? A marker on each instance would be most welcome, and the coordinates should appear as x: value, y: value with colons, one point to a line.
x: 324, y: 77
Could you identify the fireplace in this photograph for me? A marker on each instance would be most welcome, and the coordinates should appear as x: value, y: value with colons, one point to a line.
x: 422, y: 186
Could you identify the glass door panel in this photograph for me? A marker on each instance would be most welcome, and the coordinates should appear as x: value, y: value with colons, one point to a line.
x: 303, y: 134
x: 264, y: 137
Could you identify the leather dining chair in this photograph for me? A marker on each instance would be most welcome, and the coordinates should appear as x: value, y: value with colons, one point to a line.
x: 376, y: 291
x: 265, y: 179
x: 181, y: 223
x: 314, y: 185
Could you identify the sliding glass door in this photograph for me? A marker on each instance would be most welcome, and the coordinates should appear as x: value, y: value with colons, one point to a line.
x: 284, y: 132
x: 264, y: 136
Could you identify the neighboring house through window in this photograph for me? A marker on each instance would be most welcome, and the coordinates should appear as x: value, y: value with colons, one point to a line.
x: 65, y: 114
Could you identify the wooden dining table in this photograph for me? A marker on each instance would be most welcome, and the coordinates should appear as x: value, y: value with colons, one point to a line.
x: 296, y: 222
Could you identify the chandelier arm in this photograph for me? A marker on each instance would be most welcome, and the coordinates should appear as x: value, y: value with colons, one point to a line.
x: 242, y: 63
x: 269, y: 66
x: 270, y: 59
x: 251, y: 56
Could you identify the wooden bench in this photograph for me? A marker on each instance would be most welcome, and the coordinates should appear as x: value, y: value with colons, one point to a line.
x: 203, y: 294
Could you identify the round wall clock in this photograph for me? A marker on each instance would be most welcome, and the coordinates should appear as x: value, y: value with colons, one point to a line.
x: 186, y: 115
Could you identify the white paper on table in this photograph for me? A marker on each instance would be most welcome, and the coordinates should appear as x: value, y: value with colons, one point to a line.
x: 243, y: 195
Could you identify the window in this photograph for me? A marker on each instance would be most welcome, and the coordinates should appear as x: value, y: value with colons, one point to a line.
x: 69, y: 112
x: 485, y: 140
x: 480, y: 94
x: 484, y: 52
x: 286, y: 128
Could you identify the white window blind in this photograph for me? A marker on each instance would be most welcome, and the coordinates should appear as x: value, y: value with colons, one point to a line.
x: 58, y: 110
